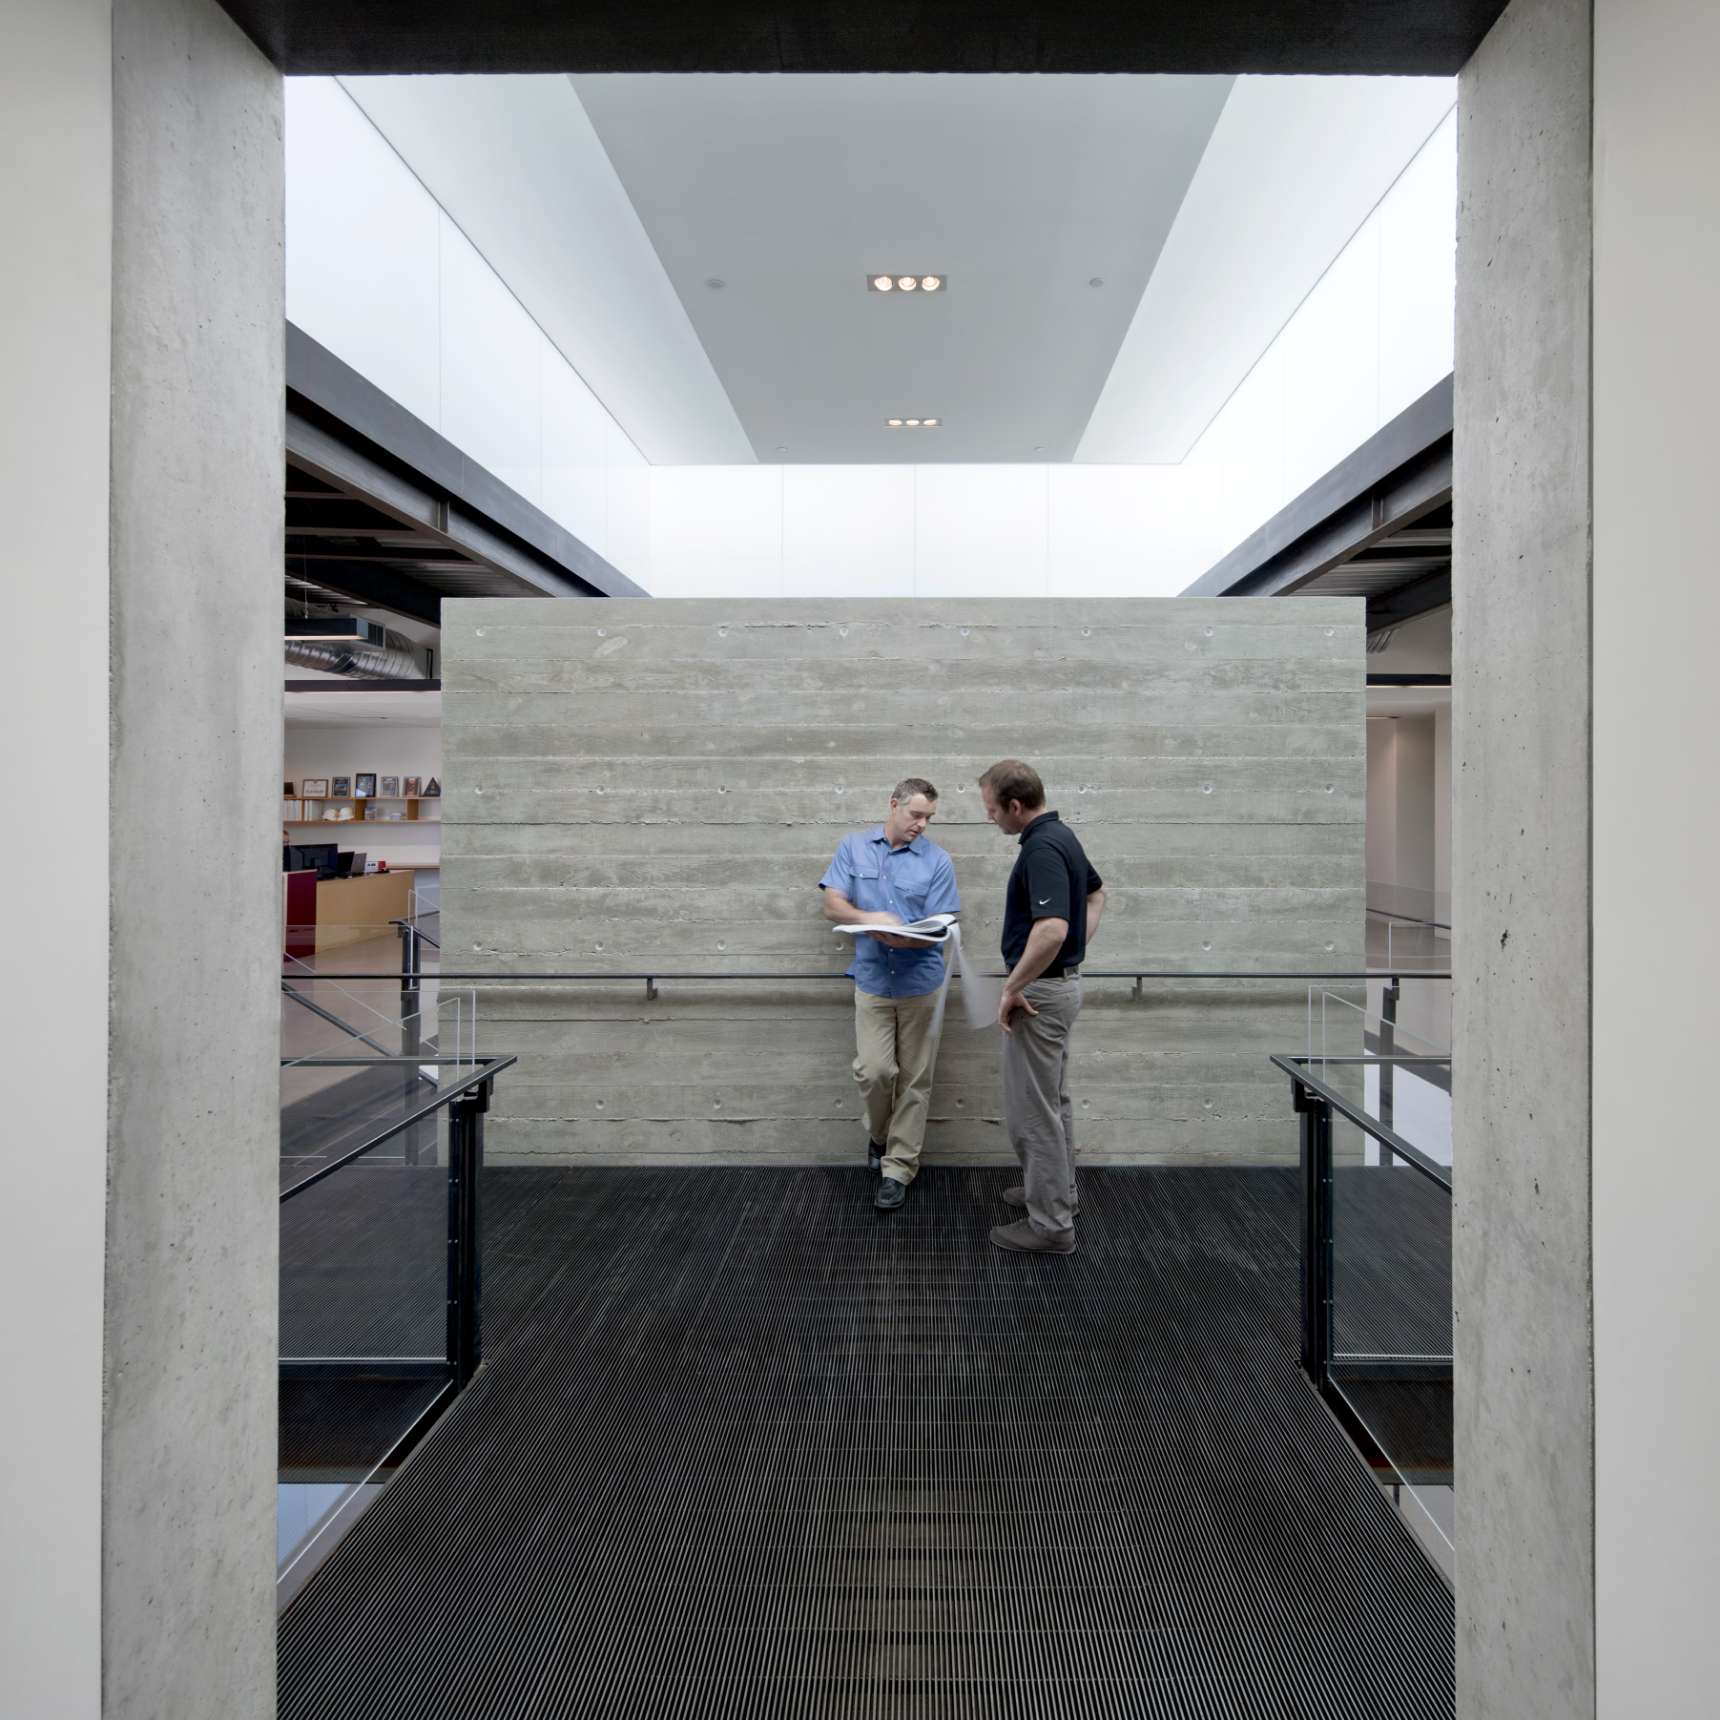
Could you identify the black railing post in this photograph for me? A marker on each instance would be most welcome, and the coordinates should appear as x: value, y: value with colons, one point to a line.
x: 1316, y: 1263
x: 465, y: 1163
x: 1388, y: 1047
x: 411, y: 1033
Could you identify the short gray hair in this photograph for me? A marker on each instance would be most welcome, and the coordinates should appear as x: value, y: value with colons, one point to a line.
x: 909, y: 786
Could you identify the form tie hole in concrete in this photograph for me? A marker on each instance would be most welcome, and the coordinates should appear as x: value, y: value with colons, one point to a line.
x: 841, y: 632
x: 480, y: 633
x: 1330, y: 948
x: 721, y: 945
x: 1331, y: 788
x: 600, y: 1104
x: 603, y: 633
x: 1086, y: 632
x: 1331, y: 633
x: 722, y: 788
x: 722, y: 632
x: 1206, y: 1104
x: 839, y: 789
x: 598, y: 948
x: 1207, y: 631
x: 479, y: 789
x: 966, y: 631
x: 1206, y: 788
x: 1206, y: 943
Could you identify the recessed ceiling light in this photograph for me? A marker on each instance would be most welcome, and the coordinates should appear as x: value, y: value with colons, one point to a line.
x: 913, y: 423
x: 919, y: 283
x: 893, y: 423
x: 930, y: 423
x: 1097, y: 281
x: 715, y: 282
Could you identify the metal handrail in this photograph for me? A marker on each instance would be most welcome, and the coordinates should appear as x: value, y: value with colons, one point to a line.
x: 486, y: 1070
x: 1387, y: 1137
x: 418, y: 932
x: 1137, y: 974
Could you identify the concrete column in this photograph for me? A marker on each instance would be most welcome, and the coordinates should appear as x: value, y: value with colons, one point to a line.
x: 1656, y: 850
x: 1522, y: 655
x: 144, y: 457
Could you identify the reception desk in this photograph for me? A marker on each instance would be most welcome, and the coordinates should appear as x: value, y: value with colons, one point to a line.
x: 347, y: 909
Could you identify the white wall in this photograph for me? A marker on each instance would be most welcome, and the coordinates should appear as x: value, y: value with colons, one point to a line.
x: 378, y: 273
x: 56, y: 211
x: 1656, y: 839
x: 389, y: 749
x: 1373, y: 335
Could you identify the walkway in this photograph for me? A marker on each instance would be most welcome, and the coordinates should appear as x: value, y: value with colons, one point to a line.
x: 743, y: 1448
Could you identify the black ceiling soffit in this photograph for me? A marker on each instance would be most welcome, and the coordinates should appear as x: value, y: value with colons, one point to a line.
x: 1379, y: 522
x: 1428, y: 37
x: 385, y: 510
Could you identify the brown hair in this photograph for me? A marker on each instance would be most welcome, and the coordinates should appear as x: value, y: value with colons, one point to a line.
x: 1009, y: 779
x: 909, y: 786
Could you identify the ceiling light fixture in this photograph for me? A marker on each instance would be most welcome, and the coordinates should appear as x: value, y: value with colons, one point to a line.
x: 912, y: 423
x: 907, y: 283
x: 893, y: 423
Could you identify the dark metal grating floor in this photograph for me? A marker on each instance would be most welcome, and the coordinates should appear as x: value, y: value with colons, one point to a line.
x: 744, y: 1448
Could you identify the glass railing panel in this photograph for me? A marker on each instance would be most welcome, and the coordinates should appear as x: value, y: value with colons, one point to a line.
x: 1391, y: 1341
x: 1404, y: 1080
x: 363, y: 1333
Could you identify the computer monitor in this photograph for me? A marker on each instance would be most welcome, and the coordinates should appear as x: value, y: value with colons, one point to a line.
x: 323, y: 858
x: 358, y: 860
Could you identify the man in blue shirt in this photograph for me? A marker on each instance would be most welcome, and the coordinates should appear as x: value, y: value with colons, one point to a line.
x: 887, y: 876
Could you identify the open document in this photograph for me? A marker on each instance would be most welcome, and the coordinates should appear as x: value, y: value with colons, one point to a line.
x: 981, y: 992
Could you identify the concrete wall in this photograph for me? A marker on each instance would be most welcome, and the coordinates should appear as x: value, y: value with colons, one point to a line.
x: 55, y: 210
x: 195, y: 657
x: 1521, y: 876
x: 617, y: 777
x: 1656, y: 839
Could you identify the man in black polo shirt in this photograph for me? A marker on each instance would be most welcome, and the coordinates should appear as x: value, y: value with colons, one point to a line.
x: 1051, y: 909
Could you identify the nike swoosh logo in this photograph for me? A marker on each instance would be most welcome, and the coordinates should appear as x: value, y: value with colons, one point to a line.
x: 1043, y: 900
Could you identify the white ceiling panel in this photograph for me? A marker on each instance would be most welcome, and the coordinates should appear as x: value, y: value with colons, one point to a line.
x: 515, y: 163
x: 1021, y: 190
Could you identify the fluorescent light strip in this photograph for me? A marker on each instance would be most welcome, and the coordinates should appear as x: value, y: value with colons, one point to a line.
x: 906, y: 283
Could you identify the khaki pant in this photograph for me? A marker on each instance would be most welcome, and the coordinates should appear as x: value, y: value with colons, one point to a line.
x: 895, y: 1049
x: 1036, y: 1105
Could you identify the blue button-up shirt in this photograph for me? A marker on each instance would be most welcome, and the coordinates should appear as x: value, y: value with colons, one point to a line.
x: 909, y: 882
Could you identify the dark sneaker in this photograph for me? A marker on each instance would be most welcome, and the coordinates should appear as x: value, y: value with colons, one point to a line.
x: 890, y: 1194
x: 875, y: 1156
x: 1017, y: 1196
x: 1022, y: 1238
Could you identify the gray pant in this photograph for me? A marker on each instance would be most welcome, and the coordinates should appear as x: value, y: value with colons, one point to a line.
x: 1036, y: 1105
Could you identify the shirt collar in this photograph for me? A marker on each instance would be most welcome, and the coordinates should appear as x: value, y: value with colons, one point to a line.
x: 876, y: 834
x: 1043, y: 818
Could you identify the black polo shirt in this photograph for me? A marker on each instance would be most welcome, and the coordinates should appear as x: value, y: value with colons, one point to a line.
x: 1052, y: 880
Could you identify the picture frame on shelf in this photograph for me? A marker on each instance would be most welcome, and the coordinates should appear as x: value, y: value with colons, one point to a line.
x: 432, y: 789
x: 364, y: 785
x: 288, y: 792
x: 315, y: 788
x: 389, y: 788
x: 412, y: 787
x: 340, y: 788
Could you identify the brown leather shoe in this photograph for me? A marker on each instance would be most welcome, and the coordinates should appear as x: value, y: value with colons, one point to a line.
x: 1022, y: 1238
x: 1017, y: 1196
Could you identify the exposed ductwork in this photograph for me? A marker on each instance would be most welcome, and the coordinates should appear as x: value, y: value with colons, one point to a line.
x: 386, y: 656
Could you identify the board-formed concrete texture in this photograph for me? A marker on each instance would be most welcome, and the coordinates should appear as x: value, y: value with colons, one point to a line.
x: 1521, y: 673
x: 659, y: 785
x: 189, y: 1437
